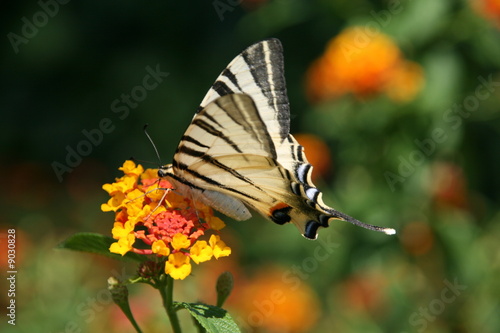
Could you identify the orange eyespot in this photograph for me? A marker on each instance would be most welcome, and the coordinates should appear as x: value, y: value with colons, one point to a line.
x: 279, y: 213
x: 279, y: 205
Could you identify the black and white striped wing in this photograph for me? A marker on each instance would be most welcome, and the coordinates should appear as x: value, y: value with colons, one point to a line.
x: 238, y: 152
x: 259, y: 72
x: 236, y: 166
x: 228, y: 160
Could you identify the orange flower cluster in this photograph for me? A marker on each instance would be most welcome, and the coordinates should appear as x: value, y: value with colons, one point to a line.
x: 490, y: 9
x: 168, y: 224
x: 363, y: 64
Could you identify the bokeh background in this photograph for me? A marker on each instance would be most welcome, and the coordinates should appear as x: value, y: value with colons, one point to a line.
x: 396, y: 102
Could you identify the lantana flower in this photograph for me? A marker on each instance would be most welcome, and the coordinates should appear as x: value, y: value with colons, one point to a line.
x: 152, y: 219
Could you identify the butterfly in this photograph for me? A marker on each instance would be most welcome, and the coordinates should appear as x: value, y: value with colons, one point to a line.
x: 238, y: 152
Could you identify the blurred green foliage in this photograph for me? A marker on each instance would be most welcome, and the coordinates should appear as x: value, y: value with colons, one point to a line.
x: 67, y: 76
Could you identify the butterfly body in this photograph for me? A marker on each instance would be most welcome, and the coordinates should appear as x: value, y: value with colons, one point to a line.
x: 238, y: 152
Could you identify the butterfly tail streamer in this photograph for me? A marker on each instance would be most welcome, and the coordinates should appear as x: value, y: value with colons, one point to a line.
x: 347, y: 218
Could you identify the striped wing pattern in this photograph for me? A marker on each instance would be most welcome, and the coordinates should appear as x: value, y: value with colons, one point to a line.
x: 257, y: 72
x: 237, y: 153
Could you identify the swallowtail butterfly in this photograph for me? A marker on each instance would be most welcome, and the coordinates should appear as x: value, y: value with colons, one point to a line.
x: 238, y: 152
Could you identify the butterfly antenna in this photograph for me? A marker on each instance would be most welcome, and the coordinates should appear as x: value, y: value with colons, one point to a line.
x: 152, y: 143
x: 132, y: 158
x: 387, y: 231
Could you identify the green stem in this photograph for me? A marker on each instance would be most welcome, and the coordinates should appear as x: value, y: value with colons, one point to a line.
x: 131, y: 318
x: 167, y: 297
x: 119, y: 293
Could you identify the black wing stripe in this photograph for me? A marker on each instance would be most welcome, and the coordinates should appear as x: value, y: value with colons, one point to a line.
x: 208, y: 180
x: 230, y: 75
x: 211, y: 160
x: 259, y: 72
x: 187, y: 138
x: 269, y: 141
x: 211, y: 130
x: 183, y: 181
x: 253, y: 58
x: 302, y: 172
x: 292, y: 150
x: 296, y: 188
x: 212, y: 119
x: 230, y: 115
x: 222, y: 88
x: 266, y: 67
x: 251, y: 115
x: 300, y: 153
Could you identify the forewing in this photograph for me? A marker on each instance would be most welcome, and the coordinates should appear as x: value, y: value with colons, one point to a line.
x: 258, y: 71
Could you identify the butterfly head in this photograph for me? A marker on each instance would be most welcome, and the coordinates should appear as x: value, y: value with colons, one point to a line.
x: 164, y: 170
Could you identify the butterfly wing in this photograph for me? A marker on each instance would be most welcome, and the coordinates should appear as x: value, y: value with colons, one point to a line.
x: 228, y: 160
x: 238, y: 151
x: 258, y: 71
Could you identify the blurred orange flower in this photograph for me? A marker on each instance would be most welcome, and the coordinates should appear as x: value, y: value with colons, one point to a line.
x: 364, y: 65
x: 271, y: 304
x: 168, y: 224
x: 489, y: 9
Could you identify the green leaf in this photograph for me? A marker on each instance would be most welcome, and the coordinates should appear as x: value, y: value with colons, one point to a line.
x: 96, y: 243
x: 212, y: 318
